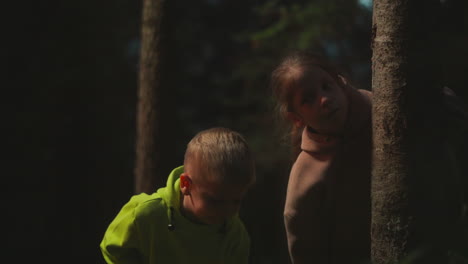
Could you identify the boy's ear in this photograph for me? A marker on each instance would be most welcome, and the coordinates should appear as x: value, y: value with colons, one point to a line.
x: 185, y: 184
x: 297, y: 120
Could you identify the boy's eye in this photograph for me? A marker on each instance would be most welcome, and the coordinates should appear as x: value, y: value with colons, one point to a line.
x: 213, y: 201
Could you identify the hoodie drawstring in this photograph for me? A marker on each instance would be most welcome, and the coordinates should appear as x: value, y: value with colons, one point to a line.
x: 171, y: 225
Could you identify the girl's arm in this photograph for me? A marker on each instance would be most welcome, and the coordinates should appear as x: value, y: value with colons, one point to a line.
x: 307, y: 211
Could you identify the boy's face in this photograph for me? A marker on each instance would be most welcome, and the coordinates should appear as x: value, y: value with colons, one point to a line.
x: 211, y: 202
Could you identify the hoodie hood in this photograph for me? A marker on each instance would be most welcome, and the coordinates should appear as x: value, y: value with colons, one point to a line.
x: 171, y: 194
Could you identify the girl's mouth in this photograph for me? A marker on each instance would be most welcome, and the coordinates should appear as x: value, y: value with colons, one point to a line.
x: 332, y: 113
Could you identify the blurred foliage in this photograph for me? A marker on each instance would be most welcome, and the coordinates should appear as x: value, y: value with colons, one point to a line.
x: 338, y: 29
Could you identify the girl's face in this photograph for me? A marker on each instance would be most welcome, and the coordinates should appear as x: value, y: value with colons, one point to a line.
x: 319, y: 103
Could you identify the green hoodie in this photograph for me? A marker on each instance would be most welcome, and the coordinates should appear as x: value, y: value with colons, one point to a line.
x: 150, y: 229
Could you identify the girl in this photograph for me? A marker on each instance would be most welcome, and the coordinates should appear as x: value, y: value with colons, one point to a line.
x: 327, y: 209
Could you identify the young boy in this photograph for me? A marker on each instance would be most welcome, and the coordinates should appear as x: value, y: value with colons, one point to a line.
x: 194, y: 218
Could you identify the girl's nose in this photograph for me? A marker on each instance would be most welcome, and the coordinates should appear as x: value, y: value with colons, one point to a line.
x: 325, y: 102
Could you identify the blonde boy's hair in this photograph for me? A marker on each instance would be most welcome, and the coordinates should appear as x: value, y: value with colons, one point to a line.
x: 222, y: 156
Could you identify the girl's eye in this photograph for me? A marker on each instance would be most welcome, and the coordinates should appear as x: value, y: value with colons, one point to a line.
x: 308, y: 98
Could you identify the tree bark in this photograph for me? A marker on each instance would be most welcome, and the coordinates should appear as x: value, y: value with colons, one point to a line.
x: 409, y: 196
x: 148, y: 113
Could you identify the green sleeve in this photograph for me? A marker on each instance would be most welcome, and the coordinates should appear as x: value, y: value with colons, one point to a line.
x: 120, y: 244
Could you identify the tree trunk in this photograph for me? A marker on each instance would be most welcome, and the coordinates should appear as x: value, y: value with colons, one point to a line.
x: 148, y: 114
x: 409, y: 190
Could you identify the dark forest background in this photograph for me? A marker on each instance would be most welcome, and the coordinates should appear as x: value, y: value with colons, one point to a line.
x: 69, y: 88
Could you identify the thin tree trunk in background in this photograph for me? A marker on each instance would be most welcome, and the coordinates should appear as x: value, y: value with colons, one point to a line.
x: 148, y: 154
x: 409, y: 190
